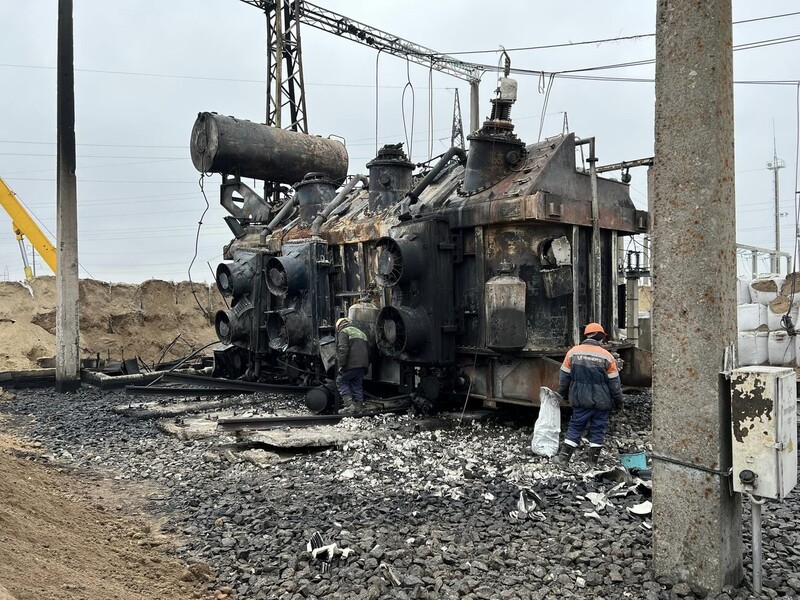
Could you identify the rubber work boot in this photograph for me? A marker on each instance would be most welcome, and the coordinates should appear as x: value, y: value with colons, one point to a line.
x: 564, y: 454
x: 347, y: 405
x: 358, y: 406
x: 594, y: 454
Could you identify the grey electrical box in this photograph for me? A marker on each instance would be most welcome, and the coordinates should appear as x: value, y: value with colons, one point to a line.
x: 764, y: 430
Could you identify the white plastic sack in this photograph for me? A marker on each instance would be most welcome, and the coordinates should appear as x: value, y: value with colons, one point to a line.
x: 548, y: 425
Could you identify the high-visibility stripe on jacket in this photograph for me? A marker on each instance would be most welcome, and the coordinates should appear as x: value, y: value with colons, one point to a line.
x: 589, y: 375
x: 352, y: 349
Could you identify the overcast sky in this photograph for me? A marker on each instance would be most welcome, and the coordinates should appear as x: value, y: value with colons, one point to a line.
x: 145, y: 68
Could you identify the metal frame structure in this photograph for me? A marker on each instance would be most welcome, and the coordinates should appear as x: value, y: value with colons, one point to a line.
x: 283, y: 40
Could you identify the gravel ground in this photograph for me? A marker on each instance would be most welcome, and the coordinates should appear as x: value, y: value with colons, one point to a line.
x: 429, y: 514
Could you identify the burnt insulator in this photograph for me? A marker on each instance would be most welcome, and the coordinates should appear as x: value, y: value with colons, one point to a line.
x: 494, y: 149
x: 314, y: 192
x: 389, y: 176
x: 227, y: 145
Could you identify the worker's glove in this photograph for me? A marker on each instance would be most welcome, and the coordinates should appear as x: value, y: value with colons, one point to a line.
x: 617, y: 406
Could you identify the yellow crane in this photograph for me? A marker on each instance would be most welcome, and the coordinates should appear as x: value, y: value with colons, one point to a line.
x: 24, y: 226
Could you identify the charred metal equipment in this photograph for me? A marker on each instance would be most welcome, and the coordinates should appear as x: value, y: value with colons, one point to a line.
x: 474, y: 275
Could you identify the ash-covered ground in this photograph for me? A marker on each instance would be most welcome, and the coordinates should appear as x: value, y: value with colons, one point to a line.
x: 417, y: 514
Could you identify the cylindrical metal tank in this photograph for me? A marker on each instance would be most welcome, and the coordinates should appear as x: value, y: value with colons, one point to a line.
x: 364, y: 315
x: 314, y: 192
x: 389, y: 177
x: 506, y: 329
x: 493, y: 150
x: 228, y: 145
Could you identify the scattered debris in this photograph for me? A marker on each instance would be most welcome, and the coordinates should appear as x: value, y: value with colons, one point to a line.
x: 642, y: 509
x: 389, y: 574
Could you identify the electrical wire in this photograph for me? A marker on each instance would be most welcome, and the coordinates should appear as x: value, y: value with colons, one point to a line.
x: 408, y: 85
x: 544, y: 105
x: 786, y: 320
x: 430, y: 111
x: 377, y: 87
x: 197, y: 245
x: 603, y: 40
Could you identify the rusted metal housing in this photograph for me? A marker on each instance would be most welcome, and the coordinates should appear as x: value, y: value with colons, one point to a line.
x: 484, y: 287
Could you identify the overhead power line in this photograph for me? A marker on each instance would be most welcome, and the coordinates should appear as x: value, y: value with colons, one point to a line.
x: 603, y: 40
x: 477, y: 66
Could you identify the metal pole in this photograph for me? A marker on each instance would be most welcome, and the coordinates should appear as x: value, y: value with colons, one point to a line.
x: 632, y: 319
x: 67, y: 298
x: 278, y: 63
x: 754, y: 258
x: 597, y: 257
x: 696, y: 519
x: 474, y: 106
x: 776, y: 165
x: 776, y: 262
x: 755, y: 511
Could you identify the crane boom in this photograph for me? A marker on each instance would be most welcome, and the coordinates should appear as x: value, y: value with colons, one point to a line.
x: 24, y: 225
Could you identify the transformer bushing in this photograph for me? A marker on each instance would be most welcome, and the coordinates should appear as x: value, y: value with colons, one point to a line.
x: 389, y: 177
x: 494, y: 149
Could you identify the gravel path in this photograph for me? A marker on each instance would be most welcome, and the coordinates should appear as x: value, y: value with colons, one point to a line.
x: 432, y: 514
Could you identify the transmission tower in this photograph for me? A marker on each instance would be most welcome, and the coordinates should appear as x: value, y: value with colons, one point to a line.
x: 285, y: 87
x: 457, y: 135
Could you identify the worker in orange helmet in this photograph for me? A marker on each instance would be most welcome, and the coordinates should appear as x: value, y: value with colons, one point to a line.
x: 589, y: 377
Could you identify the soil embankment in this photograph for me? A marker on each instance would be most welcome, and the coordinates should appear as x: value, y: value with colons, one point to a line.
x: 116, y: 320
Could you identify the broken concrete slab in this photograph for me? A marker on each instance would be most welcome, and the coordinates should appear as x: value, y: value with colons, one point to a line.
x: 324, y: 436
x: 193, y: 428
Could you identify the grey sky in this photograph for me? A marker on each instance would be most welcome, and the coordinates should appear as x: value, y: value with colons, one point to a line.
x: 139, y: 200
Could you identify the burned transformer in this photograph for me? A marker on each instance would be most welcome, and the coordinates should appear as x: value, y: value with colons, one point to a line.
x: 475, y: 276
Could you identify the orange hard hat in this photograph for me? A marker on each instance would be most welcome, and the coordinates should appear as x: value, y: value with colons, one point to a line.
x: 592, y: 328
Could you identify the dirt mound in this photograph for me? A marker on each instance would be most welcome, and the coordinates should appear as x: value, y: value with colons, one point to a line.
x: 117, y: 321
x: 64, y: 538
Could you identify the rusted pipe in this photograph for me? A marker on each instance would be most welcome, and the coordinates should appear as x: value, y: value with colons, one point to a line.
x: 334, y: 204
x: 597, y: 274
x: 413, y: 196
x: 282, y: 214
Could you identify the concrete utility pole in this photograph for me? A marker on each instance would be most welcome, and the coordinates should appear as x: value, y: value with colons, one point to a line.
x: 67, y: 347
x: 696, y: 522
x: 776, y: 165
